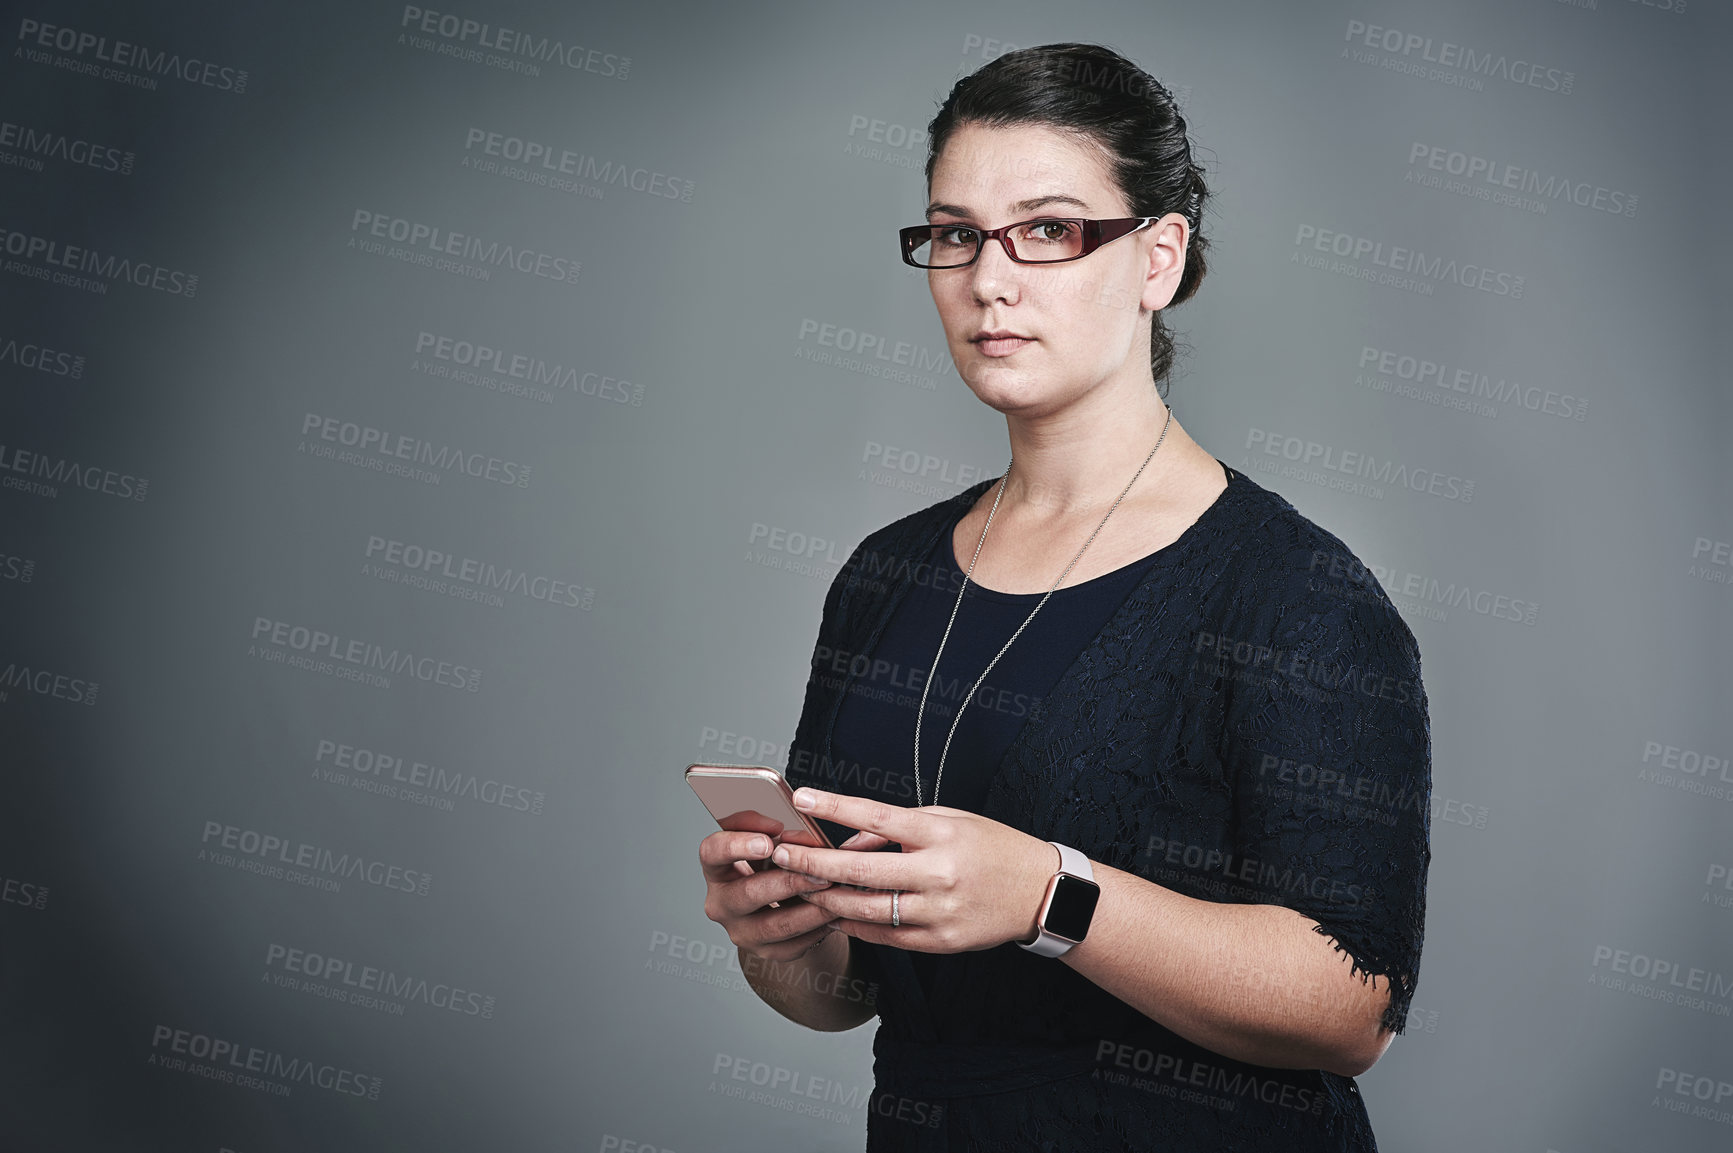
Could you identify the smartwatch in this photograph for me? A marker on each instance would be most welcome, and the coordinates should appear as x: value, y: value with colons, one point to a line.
x: 1066, y: 910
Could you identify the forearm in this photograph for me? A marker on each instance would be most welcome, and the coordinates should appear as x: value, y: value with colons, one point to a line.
x: 1252, y: 982
x: 822, y: 990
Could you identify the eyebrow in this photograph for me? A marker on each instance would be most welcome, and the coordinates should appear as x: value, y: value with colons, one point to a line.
x: 1029, y: 205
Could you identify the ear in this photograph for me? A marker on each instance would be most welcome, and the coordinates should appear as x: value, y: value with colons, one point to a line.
x: 1168, y: 238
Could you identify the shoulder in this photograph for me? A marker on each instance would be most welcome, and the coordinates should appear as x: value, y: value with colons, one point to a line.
x: 1294, y: 583
x: 906, y: 539
x: 1282, y: 546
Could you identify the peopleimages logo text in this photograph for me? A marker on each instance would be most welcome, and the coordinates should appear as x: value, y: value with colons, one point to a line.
x: 532, y: 370
x: 42, y: 682
x: 273, y: 850
x: 1499, y: 175
x: 39, y: 143
x: 231, y: 1061
x: 51, y: 253
x: 1472, y: 383
x: 124, y: 54
x: 464, y: 246
x: 368, y: 979
x: 481, y: 574
x: 49, y: 471
x: 364, y: 654
x: 1363, y: 465
x: 1409, y: 261
x: 1462, y: 58
x: 553, y: 160
x: 404, y: 777
x: 25, y: 353
x: 511, y: 42
x: 443, y: 457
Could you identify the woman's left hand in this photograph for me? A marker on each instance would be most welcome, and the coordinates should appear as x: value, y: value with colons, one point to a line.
x: 967, y: 881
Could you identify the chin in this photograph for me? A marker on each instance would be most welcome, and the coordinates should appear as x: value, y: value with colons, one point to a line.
x: 1011, y: 390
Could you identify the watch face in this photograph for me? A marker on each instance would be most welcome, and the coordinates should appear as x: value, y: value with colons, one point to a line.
x: 1072, y: 907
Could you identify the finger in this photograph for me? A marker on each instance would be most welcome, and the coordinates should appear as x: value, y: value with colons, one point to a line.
x: 771, y: 889
x: 866, y: 905
x: 865, y: 842
x: 893, y: 822
x: 794, y: 948
x: 741, y: 896
x: 849, y: 867
x: 770, y: 928
x: 718, y: 852
x: 901, y: 937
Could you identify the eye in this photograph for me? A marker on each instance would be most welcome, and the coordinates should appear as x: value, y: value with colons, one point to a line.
x: 955, y: 236
x: 1051, y: 231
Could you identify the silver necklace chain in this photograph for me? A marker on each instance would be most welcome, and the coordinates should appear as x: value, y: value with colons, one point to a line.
x: 932, y: 672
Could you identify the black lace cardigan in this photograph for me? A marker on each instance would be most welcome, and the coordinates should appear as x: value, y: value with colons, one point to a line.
x: 1249, y: 726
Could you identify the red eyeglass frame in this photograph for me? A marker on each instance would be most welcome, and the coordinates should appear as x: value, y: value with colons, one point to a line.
x: 1095, y: 234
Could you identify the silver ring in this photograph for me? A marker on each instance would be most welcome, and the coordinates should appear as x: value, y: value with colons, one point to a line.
x: 896, y: 916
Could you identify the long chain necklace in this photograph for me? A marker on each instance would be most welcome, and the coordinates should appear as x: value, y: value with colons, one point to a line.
x: 932, y: 673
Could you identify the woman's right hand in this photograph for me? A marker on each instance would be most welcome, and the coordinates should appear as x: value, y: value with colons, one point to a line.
x: 739, y: 897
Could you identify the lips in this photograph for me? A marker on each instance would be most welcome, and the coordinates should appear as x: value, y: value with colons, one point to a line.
x: 995, y: 345
x: 1001, y: 334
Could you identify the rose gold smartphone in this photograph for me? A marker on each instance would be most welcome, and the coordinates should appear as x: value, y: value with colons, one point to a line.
x: 757, y: 799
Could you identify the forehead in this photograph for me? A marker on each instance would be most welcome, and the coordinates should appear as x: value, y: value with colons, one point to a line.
x: 991, y: 172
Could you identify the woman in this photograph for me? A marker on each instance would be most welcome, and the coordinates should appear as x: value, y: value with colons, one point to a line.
x: 1173, y: 896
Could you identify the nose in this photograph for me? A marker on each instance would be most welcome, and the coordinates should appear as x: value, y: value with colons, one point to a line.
x: 992, y: 267
x: 1000, y: 245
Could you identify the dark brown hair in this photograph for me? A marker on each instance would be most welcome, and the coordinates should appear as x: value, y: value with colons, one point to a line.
x: 1094, y: 92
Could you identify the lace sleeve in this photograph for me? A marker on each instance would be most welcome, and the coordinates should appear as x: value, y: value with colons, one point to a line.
x: 1328, y: 745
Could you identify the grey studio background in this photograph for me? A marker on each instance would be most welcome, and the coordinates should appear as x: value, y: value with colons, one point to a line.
x: 427, y: 429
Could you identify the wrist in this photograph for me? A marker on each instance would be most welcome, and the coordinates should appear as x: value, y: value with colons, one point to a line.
x: 1041, y: 861
x: 1067, y: 906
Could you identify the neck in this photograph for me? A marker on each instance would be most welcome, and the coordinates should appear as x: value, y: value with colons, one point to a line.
x: 1083, y: 456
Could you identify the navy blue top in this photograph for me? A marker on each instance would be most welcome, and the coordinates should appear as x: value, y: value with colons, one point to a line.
x: 877, y: 721
x: 1237, y: 717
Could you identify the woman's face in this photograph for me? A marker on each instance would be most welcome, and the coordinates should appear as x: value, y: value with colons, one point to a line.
x: 1083, y: 322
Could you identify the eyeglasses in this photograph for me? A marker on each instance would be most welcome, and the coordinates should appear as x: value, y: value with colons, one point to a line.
x: 1048, y: 240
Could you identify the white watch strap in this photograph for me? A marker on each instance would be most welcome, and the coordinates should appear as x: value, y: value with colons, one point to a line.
x: 1071, y: 861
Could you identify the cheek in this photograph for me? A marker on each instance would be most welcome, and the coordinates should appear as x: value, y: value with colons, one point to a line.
x: 1113, y: 308
x: 957, y: 317
x: 1084, y: 324
x: 951, y: 310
